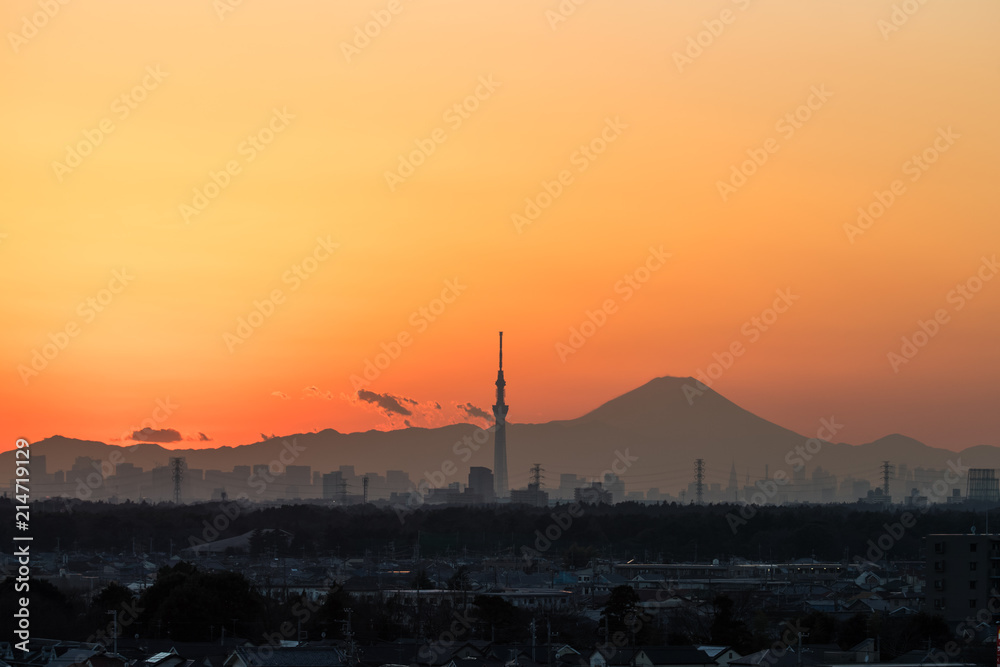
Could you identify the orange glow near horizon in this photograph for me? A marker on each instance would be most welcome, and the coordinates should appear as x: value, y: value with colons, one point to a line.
x: 234, y: 156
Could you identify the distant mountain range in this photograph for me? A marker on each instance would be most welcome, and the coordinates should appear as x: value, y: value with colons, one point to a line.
x: 655, y: 427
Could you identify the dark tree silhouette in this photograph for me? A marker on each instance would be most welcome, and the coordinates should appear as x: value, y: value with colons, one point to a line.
x: 184, y: 603
x: 726, y: 629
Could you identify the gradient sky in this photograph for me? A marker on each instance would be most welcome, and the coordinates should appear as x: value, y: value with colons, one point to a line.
x: 681, y: 126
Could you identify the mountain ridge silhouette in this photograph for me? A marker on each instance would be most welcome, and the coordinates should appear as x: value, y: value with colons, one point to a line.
x: 662, y: 424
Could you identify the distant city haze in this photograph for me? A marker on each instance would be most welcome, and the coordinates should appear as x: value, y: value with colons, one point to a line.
x: 639, y: 446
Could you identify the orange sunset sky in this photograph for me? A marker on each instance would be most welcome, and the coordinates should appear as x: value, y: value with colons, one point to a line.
x: 117, y: 113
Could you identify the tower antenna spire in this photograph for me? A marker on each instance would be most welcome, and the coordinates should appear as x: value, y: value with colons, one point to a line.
x: 500, y: 433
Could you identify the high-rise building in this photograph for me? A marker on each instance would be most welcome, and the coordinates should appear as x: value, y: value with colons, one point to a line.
x: 481, y: 482
x: 192, y: 484
x: 732, y: 491
x: 84, y: 465
x: 216, y: 480
x: 615, y: 485
x: 39, y: 474
x: 126, y: 481
x: 533, y: 495
x: 567, y: 483
x: 983, y: 485
x: 500, y: 434
x: 298, y: 475
x: 963, y: 573
x: 334, y: 485
x: 398, y: 481
x: 161, y: 483
x: 595, y: 494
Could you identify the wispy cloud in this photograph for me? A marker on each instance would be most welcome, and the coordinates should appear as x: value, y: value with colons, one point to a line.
x: 315, y: 392
x: 405, y: 412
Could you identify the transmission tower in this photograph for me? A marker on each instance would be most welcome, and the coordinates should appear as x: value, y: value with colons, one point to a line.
x: 364, y: 486
x: 536, y: 475
x: 177, y: 466
x: 699, y: 479
x: 886, y: 475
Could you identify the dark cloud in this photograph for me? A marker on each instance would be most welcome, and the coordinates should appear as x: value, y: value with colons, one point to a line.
x: 204, y: 438
x: 390, y: 404
x: 156, y: 435
x: 473, y: 411
x: 437, y: 406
